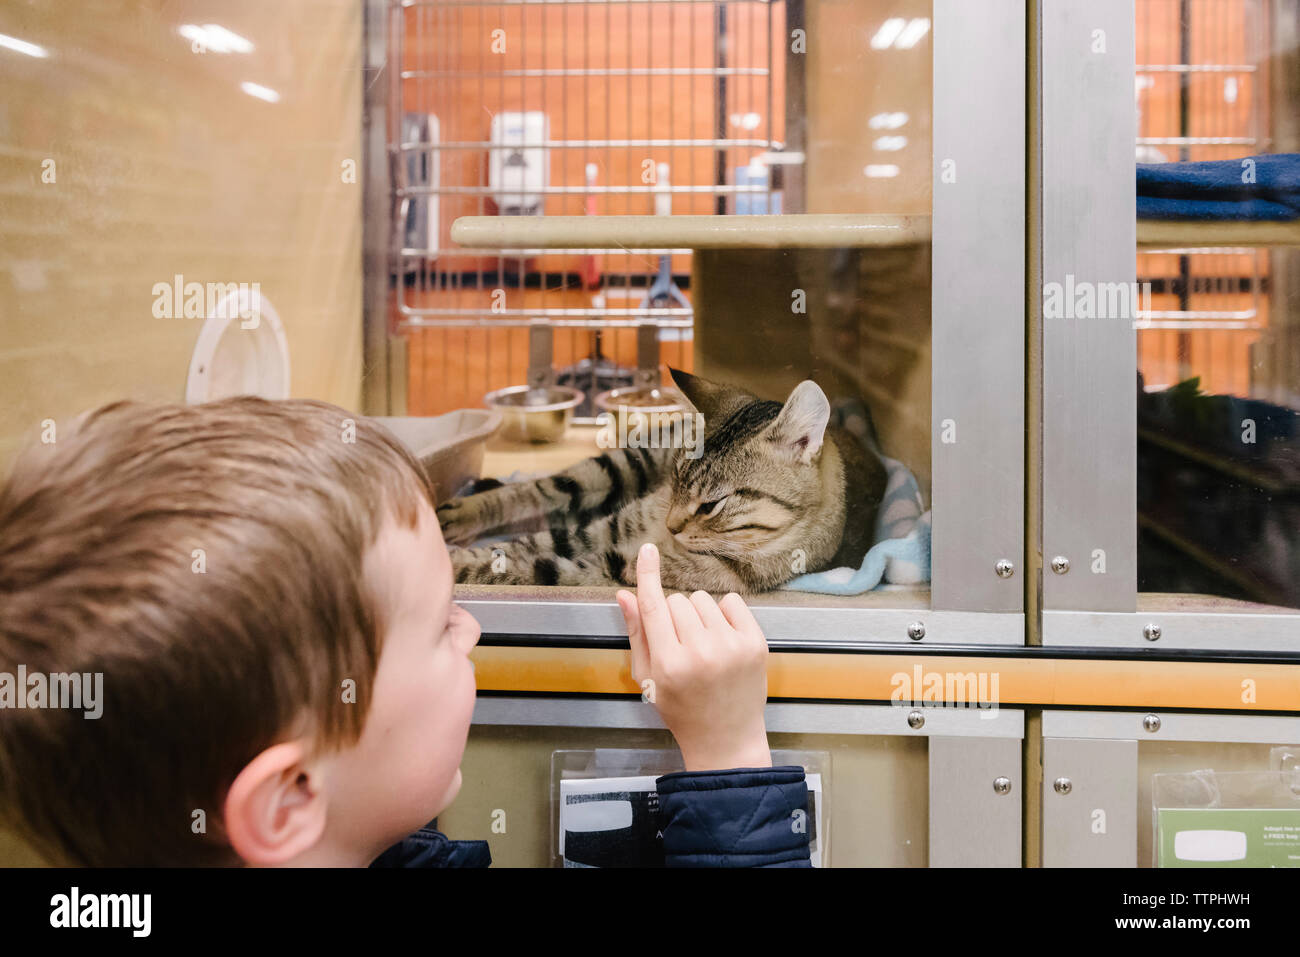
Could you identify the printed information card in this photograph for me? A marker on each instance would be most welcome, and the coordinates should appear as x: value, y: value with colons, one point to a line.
x: 1228, y: 837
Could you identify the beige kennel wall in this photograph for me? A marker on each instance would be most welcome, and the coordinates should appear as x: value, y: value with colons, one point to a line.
x: 878, y: 799
x: 163, y: 165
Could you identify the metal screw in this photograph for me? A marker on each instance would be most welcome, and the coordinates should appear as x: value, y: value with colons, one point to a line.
x: 1152, y: 723
x: 1060, y: 564
x: 1001, y: 785
x: 916, y: 631
x: 1151, y: 632
x: 1005, y: 568
x: 1062, y: 785
x: 916, y: 720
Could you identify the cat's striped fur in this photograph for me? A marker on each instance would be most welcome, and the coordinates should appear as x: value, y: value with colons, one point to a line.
x: 774, y: 494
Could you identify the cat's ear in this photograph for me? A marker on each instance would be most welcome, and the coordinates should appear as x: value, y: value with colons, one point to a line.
x: 707, y: 397
x: 801, y: 425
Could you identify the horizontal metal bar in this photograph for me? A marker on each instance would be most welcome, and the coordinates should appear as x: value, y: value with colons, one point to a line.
x: 1241, y: 315
x: 1177, y: 629
x: 1196, y: 140
x: 558, y: 323
x: 780, y: 717
x: 1174, y: 726
x: 523, y: 253
x: 1189, y: 325
x: 885, y: 625
x: 553, y: 312
x: 423, y: 147
x: 1148, y: 250
x: 546, y: 3
x: 542, y: 74
x: 574, y: 191
x: 1195, y: 68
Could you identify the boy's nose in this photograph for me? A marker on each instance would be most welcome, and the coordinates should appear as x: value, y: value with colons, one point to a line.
x: 475, y: 633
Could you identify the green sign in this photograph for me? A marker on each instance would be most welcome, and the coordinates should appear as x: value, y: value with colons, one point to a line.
x: 1227, y: 837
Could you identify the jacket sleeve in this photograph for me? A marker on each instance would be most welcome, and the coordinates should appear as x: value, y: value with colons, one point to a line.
x: 746, y: 817
x: 429, y: 847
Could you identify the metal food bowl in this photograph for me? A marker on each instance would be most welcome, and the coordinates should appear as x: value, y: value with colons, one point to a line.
x: 531, y: 414
x: 640, y: 400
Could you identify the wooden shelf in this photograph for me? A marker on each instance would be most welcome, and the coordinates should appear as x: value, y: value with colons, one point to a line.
x: 802, y: 231
x: 794, y: 231
x: 1179, y: 234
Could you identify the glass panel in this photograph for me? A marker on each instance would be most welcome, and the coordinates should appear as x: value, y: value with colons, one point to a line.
x: 1214, y: 758
x: 147, y: 179
x: 1219, y: 338
x: 878, y: 801
x: 530, y: 111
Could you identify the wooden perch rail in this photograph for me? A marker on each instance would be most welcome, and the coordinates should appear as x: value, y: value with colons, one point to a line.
x: 1169, y: 234
x: 792, y: 231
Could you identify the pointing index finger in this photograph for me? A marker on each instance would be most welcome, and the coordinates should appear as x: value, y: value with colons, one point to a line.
x: 660, y: 634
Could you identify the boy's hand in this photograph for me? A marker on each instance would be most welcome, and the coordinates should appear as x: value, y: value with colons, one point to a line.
x: 707, y: 666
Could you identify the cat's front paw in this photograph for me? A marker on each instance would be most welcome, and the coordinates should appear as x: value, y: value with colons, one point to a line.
x: 461, y: 520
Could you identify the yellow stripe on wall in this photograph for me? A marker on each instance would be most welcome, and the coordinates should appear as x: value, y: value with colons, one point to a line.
x: 1103, y: 683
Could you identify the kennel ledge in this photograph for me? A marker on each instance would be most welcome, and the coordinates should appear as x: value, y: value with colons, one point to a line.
x: 790, y: 231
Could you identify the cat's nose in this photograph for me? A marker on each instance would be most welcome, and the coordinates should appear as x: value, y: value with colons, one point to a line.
x: 677, y: 518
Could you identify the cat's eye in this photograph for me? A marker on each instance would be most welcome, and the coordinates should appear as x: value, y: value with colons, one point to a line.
x: 708, y: 508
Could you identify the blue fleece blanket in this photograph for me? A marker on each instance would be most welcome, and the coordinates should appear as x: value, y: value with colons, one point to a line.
x: 1265, y: 187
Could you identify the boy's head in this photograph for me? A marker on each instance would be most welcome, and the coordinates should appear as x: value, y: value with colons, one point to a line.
x: 264, y: 589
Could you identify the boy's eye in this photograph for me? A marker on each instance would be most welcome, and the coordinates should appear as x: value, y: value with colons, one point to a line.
x: 708, y: 508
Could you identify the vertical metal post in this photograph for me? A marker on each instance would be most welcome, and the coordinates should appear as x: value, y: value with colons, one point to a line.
x: 376, y: 213
x: 977, y: 305
x: 1088, y: 303
x: 794, y: 175
x: 975, y: 802
x: 1089, y: 802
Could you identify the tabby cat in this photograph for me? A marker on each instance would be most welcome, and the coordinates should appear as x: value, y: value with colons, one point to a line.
x: 775, y: 493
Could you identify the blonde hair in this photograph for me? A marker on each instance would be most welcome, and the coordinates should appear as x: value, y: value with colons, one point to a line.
x: 207, y: 560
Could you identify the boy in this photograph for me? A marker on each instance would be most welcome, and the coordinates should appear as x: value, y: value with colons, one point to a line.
x: 285, y: 677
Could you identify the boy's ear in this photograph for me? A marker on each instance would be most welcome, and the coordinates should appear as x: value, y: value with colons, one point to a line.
x: 275, y: 809
x: 801, y: 425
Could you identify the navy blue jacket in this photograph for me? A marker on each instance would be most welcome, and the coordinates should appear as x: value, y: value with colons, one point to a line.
x: 745, y: 817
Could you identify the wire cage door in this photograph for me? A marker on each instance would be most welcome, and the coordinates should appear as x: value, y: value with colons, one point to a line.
x: 569, y: 107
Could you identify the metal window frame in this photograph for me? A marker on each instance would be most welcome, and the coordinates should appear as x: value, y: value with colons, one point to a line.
x: 780, y: 717
x: 978, y: 366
